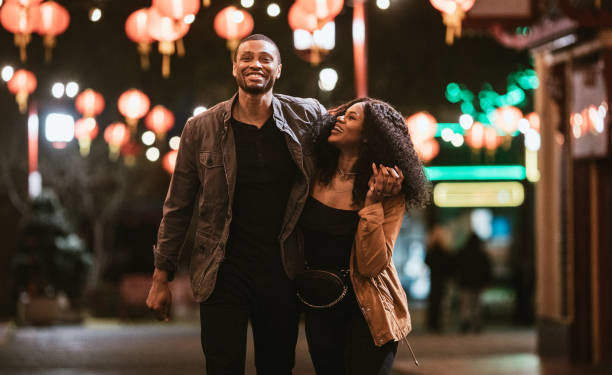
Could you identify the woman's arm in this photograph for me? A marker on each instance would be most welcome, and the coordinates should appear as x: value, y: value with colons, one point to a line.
x: 377, y: 231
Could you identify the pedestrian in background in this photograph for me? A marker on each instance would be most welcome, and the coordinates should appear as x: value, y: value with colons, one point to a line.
x: 473, y: 275
x: 439, y: 260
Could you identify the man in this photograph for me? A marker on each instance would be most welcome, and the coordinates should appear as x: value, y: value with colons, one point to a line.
x: 243, y: 163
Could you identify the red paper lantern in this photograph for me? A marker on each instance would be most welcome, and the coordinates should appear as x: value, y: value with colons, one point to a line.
x: 160, y: 120
x: 169, y: 161
x: 25, y: 3
x: 491, y: 139
x: 89, y: 103
x: 322, y: 9
x: 137, y: 30
x: 166, y: 31
x: 85, y: 129
x: 116, y: 135
x: 130, y: 151
x: 54, y: 20
x: 474, y: 137
x: 22, y: 84
x: 303, y: 20
x: 428, y: 150
x: 233, y: 24
x: 507, y: 118
x: 534, y: 121
x: 177, y: 9
x: 453, y: 12
x: 21, y: 21
x: 422, y: 126
x: 134, y: 105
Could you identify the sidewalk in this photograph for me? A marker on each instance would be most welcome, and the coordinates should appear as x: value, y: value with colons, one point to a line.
x: 110, y: 348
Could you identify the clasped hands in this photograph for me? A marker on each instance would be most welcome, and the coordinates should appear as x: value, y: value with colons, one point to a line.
x: 385, y: 182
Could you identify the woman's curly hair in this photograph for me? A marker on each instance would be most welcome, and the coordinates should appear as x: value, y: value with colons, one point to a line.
x: 386, y: 141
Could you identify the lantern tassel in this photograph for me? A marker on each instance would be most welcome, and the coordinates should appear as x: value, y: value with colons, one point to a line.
x: 85, y: 146
x: 49, y: 42
x: 232, y: 44
x: 315, y: 56
x: 21, y: 41
x: 166, y: 49
x: 22, y: 101
x: 144, y: 49
x: 453, y: 25
x: 206, y: 3
x: 180, y: 47
x: 113, y: 152
x: 132, y: 123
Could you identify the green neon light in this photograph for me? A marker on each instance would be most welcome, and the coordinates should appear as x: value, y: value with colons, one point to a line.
x: 476, y: 172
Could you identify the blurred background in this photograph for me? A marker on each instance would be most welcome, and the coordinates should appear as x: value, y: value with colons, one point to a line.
x: 506, y: 270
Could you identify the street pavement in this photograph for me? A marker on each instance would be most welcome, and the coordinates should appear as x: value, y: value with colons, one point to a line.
x: 113, y: 348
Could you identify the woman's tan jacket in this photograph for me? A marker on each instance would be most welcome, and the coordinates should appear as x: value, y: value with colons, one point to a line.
x: 377, y: 287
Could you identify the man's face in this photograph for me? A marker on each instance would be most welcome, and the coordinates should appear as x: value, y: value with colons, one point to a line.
x: 256, y: 67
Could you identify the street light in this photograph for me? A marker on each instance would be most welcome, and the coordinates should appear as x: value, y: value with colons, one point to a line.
x: 72, y: 89
x: 328, y: 78
x: 95, y: 14
x: 247, y: 3
x: 198, y: 110
x: 174, y: 142
x: 273, y: 10
x: 152, y: 154
x: 189, y: 19
x: 7, y: 72
x: 383, y: 4
x: 57, y: 90
x: 59, y: 129
x: 148, y: 138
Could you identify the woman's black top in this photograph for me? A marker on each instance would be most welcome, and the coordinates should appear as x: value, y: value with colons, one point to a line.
x: 328, y: 235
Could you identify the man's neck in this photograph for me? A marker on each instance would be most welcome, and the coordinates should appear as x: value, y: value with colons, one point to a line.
x: 253, y: 109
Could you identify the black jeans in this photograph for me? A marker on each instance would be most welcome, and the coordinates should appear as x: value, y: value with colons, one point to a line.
x: 269, y: 301
x: 340, y: 342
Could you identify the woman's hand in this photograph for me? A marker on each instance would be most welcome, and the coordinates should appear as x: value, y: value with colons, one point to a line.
x: 385, y: 182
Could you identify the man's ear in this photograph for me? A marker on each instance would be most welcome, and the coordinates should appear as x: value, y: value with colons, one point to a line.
x: 278, y: 71
x: 234, y: 69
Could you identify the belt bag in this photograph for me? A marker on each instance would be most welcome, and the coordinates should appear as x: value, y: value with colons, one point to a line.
x: 320, y: 289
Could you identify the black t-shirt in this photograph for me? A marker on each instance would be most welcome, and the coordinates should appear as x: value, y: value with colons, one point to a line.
x: 266, y: 173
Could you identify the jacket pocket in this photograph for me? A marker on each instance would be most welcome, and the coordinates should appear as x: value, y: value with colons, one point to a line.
x: 212, y: 175
x: 211, y: 159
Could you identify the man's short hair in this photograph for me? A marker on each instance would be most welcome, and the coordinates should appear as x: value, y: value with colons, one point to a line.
x: 258, y: 37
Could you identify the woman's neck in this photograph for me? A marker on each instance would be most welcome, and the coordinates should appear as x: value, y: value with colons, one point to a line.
x: 346, y: 161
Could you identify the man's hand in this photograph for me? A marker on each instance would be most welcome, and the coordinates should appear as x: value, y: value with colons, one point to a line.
x: 385, y: 182
x: 160, y: 298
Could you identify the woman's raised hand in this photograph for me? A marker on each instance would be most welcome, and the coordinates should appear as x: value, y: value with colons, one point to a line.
x: 385, y: 182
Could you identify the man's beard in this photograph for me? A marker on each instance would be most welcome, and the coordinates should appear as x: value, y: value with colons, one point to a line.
x: 256, y: 90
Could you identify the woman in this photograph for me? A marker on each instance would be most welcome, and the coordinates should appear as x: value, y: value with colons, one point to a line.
x: 366, y: 172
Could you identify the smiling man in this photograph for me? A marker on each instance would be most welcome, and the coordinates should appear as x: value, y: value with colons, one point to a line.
x: 242, y: 163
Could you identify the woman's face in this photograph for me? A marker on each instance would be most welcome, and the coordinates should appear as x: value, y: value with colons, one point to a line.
x: 346, y: 133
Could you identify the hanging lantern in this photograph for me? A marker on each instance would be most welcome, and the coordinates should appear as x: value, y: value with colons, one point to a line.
x: 475, y: 136
x: 85, y: 129
x: 534, y: 121
x: 22, y: 84
x: 166, y: 31
x: 116, y: 135
x: 422, y: 126
x: 233, y: 24
x: 428, y: 150
x: 137, y: 30
x: 322, y: 9
x: 89, y: 103
x: 312, y: 40
x: 130, y: 151
x: 133, y: 105
x: 160, y: 120
x: 54, y: 20
x: 177, y: 9
x: 453, y: 12
x: 169, y: 161
x: 492, y: 140
x: 25, y: 3
x: 21, y: 21
x: 507, y: 119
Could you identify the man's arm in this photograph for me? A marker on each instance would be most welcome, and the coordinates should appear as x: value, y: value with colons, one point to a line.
x: 177, y: 213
